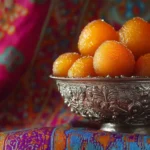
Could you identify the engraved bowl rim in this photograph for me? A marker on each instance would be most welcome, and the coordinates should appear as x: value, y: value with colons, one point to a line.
x: 104, y: 79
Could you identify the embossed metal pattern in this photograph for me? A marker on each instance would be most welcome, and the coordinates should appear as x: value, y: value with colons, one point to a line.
x: 120, y: 100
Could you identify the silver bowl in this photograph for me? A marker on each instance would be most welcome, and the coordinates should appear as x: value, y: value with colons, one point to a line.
x: 117, y: 104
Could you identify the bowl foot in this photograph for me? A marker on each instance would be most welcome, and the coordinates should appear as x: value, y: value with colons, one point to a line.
x: 112, y: 127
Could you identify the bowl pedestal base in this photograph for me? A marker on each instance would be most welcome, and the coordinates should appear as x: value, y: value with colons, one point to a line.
x: 112, y: 127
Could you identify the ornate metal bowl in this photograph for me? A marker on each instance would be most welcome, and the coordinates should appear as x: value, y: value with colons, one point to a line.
x: 117, y: 104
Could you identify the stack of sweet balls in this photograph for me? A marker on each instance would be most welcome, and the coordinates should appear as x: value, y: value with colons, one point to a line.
x: 107, y: 52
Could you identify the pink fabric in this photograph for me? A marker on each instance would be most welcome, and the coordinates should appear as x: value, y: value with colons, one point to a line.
x: 18, y: 45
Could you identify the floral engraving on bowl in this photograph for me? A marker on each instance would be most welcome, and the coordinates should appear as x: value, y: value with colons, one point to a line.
x: 124, y: 103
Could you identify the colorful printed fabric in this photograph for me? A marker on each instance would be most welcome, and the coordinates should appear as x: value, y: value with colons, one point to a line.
x: 64, y: 138
x: 32, y: 34
x: 20, y: 28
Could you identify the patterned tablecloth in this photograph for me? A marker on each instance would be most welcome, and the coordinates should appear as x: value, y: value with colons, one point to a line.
x: 66, y: 138
x: 32, y: 34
